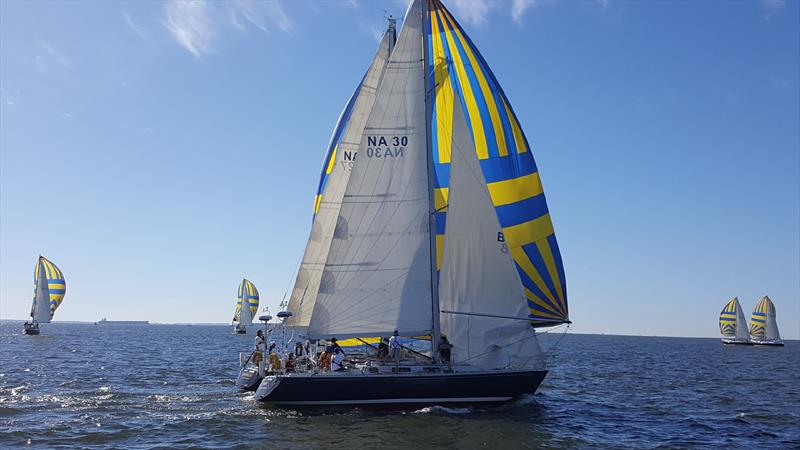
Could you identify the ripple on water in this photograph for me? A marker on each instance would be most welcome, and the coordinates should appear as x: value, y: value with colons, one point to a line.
x: 604, y: 392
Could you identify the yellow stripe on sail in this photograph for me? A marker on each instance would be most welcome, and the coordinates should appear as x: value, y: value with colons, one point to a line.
x: 439, y: 250
x: 479, y: 138
x: 332, y: 160
x: 521, y: 258
x: 440, y: 196
x: 535, y: 299
x: 444, y: 97
x: 516, y: 189
x: 497, y: 124
x: 530, y: 231
x: 549, y: 262
x: 518, y: 137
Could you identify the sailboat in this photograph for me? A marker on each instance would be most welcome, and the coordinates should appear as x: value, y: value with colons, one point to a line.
x: 429, y: 220
x: 763, y: 327
x: 243, y: 317
x: 49, y: 291
x: 733, y: 325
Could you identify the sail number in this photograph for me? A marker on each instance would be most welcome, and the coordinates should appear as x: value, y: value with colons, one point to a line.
x: 377, y: 147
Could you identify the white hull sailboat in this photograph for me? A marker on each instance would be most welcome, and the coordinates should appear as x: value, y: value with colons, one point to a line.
x: 49, y: 291
x: 733, y: 325
x: 243, y: 316
x: 763, y: 326
x: 430, y: 220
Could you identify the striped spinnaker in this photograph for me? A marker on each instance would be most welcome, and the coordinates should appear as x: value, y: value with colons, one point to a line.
x: 758, y: 321
x: 56, y: 284
x: 727, y: 319
x: 459, y: 76
x: 247, y: 289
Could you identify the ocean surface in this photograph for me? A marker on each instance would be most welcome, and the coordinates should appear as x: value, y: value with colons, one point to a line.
x: 171, y: 387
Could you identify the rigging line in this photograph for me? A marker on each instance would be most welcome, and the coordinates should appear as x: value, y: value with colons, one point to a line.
x: 293, y: 279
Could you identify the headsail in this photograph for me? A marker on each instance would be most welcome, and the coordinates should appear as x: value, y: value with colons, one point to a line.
x: 477, y: 272
x: 377, y: 275
x: 763, y: 326
x: 732, y: 323
x: 336, y: 170
x: 459, y: 76
x: 248, y: 295
x: 50, y: 288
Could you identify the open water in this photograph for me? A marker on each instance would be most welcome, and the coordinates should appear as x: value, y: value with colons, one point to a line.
x: 171, y: 387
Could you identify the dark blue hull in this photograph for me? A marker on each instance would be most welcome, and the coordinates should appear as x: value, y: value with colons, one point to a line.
x: 248, y: 379
x: 416, y: 389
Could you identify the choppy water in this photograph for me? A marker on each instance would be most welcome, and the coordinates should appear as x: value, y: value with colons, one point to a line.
x: 171, y: 386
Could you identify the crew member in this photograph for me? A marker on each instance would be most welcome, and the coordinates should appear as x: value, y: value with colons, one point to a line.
x: 260, y: 347
x: 394, y: 345
x: 445, y: 349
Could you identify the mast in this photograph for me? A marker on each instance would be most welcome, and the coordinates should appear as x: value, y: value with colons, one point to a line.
x: 436, y: 329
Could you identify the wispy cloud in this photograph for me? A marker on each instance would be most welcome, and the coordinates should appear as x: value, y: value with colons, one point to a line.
x: 54, y: 55
x: 771, y: 7
x: 518, y: 8
x: 472, y: 11
x: 197, y: 24
x: 133, y: 27
x: 189, y: 23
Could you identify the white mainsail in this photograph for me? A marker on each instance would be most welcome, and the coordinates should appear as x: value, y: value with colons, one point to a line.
x: 477, y: 275
x: 742, y: 333
x: 40, y: 311
x: 377, y: 277
x: 439, y: 125
x: 325, y: 225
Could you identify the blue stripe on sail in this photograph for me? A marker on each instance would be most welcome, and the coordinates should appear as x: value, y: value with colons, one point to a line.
x: 507, y: 167
x: 57, y: 291
x: 480, y: 101
x: 531, y: 286
x: 538, y: 262
x: 441, y: 222
x: 522, y: 211
x: 442, y: 174
x: 559, y: 265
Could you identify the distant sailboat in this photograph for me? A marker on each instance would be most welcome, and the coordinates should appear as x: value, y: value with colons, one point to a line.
x: 733, y: 325
x: 49, y: 291
x: 243, y: 317
x: 430, y: 220
x: 763, y: 327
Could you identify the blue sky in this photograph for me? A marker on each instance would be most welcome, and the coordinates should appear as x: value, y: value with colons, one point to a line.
x: 159, y: 151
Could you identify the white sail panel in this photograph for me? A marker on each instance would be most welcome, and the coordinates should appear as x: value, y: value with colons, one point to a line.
x: 477, y: 275
x: 742, y: 332
x: 338, y: 168
x: 377, y: 277
x: 40, y: 311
